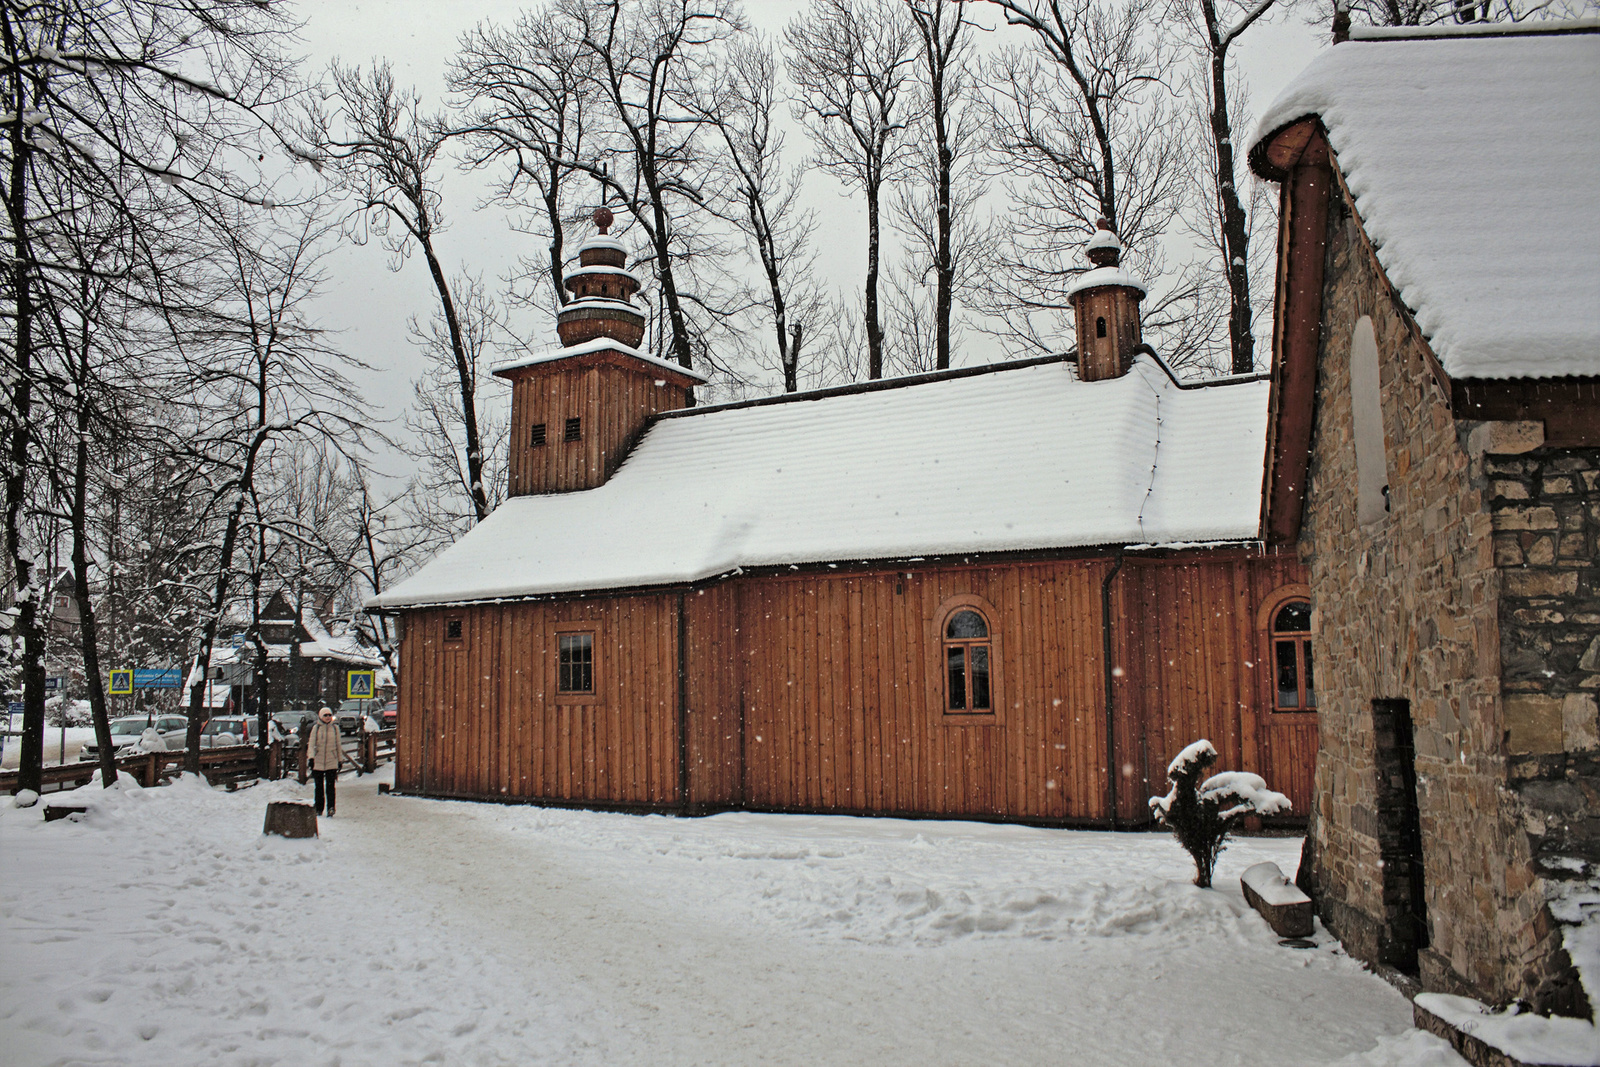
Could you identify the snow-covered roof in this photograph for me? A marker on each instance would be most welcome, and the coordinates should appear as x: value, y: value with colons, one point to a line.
x: 578, y: 272
x: 601, y: 240
x: 1475, y: 169
x: 1104, y: 276
x: 1020, y: 457
x: 1104, y: 238
x: 587, y: 348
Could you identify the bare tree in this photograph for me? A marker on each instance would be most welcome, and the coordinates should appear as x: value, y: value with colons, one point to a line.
x: 852, y: 62
x: 765, y: 196
x: 384, y: 154
x: 263, y: 372
x: 644, y: 61
x: 384, y: 547
x: 438, y: 499
x: 1082, y: 128
x: 523, y: 94
x: 1217, y: 24
x: 140, y: 110
x: 946, y: 57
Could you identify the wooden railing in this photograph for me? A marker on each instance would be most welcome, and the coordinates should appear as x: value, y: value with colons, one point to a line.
x: 221, y: 766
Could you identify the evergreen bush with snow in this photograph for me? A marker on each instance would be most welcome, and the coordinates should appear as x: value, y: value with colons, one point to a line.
x: 1202, y: 816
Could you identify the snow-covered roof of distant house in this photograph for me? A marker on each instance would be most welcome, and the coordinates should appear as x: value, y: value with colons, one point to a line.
x: 1017, y: 457
x: 1475, y: 167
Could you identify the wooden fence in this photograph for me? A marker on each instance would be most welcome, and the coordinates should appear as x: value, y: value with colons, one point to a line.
x: 221, y: 766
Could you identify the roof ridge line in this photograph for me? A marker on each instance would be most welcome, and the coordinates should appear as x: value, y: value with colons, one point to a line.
x: 872, y: 386
x: 1471, y: 31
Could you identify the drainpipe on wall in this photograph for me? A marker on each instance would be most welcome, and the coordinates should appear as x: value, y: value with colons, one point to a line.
x: 1111, y: 692
x: 683, y: 706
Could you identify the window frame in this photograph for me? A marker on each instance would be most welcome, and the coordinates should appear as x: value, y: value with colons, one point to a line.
x: 1266, y: 621
x: 591, y: 627
x: 459, y: 641
x: 938, y: 663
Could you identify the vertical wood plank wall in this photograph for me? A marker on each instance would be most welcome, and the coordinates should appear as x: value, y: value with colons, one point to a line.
x: 551, y: 398
x: 825, y: 692
x: 483, y: 717
x: 1195, y: 665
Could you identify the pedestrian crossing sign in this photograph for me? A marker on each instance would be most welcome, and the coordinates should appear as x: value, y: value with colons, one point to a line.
x: 121, y: 683
x: 359, y: 685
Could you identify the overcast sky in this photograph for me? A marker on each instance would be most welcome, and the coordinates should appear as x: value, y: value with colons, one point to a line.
x: 369, y: 305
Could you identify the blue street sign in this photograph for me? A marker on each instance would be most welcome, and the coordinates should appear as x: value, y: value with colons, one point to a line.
x: 157, y: 678
x: 52, y: 683
x: 14, y: 708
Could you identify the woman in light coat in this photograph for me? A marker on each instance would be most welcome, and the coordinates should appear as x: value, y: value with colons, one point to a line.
x: 325, y: 754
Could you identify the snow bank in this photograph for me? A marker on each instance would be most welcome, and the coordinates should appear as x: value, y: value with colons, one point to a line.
x: 1474, y: 180
x: 165, y: 929
x: 1020, y: 458
x: 1527, y: 1038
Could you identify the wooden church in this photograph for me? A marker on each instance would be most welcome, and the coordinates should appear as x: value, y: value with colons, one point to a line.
x: 1008, y: 592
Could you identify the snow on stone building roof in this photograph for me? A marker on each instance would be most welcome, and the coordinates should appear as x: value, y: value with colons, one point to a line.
x: 1475, y: 168
x: 1023, y: 456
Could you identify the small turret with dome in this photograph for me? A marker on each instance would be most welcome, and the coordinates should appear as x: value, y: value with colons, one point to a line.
x: 576, y: 410
x: 603, y: 289
x: 1105, y: 302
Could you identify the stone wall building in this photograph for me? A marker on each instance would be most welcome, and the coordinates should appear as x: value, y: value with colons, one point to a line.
x: 1434, y: 452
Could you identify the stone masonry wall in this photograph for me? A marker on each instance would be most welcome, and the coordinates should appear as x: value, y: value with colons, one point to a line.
x: 1545, y: 504
x: 1408, y: 609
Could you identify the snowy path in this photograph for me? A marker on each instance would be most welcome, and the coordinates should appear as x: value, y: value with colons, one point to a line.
x: 421, y: 931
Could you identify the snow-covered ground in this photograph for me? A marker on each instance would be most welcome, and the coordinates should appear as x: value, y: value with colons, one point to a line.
x: 76, y: 738
x: 165, y: 929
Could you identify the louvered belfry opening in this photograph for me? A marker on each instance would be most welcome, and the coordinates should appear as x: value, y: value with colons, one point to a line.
x: 1105, y: 301
x: 578, y: 409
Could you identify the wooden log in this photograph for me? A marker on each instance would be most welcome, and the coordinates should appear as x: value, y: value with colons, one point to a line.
x: 1286, y: 909
x: 52, y: 812
x: 290, y: 818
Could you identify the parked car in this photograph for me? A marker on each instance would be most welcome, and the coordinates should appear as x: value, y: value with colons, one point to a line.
x: 391, y: 714
x: 289, y: 721
x: 226, y: 730
x: 126, y: 731
x: 351, y: 712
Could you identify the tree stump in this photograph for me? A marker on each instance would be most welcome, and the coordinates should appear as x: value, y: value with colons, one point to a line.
x: 290, y: 818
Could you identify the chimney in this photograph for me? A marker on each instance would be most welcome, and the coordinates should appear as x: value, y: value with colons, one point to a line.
x: 1105, y: 302
x: 577, y: 410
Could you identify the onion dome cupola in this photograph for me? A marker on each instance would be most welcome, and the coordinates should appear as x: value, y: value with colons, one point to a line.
x: 1105, y: 302
x: 577, y: 410
x: 603, y: 290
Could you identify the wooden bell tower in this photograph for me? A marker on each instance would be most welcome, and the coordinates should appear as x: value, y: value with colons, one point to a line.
x: 1105, y: 302
x: 577, y: 410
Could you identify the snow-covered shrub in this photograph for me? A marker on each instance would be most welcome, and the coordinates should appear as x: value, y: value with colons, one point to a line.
x: 59, y: 711
x: 1202, y: 816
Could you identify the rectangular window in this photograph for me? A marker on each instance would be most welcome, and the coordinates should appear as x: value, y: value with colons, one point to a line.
x: 1288, y: 674
x: 1311, y: 692
x: 957, y: 670
x: 452, y: 630
x: 536, y: 438
x: 575, y: 666
x: 574, y: 429
x: 980, y: 677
